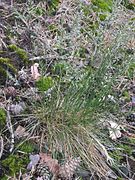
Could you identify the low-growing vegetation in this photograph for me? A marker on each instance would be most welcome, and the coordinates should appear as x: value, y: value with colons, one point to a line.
x: 67, y: 95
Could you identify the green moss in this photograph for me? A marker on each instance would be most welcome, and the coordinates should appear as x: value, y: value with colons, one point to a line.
x: 126, y: 95
x: 126, y: 149
x: 12, y: 47
x: 103, y: 5
x: 6, y: 62
x: 102, y: 17
x: 20, y: 52
x: 121, y: 149
x: 2, y: 52
x: 4, y: 177
x: 27, y: 147
x: 131, y: 70
x: 44, y: 83
x: 116, y: 155
x: 132, y: 19
x: 119, y: 178
x: 14, y: 163
x: 2, y: 117
x: 132, y: 140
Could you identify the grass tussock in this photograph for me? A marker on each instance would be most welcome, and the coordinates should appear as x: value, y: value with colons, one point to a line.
x: 70, y: 116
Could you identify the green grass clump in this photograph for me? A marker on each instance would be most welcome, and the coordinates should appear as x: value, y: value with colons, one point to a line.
x: 71, y: 116
x: 44, y: 83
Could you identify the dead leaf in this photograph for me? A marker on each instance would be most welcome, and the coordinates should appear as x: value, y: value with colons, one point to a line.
x: 133, y: 101
x: 10, y: 91
x: 26, y: 177
x: 20, y: 132
x: 17, y: 108
x: 114, y: 130
x: 45, y: 157
x: 34, y: 159
x: 86, y: 2
x: 132, y: 1
x: 39, y: 178
x: 23, y: 75
x: 34, y: 71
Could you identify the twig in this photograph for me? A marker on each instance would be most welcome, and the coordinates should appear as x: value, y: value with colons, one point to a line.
x: 104, y: 151
x: 12, y: 3
x: 1, y: 147
x: 42, y: 57
x: 10, y: 128
x: 128, y: 166
x: 54, y: 57
x: 41, y: 142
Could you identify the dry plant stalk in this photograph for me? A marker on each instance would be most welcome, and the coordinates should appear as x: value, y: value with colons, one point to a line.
x: 1, y: 146
x: 82, y: 143
x: 10, y: 128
